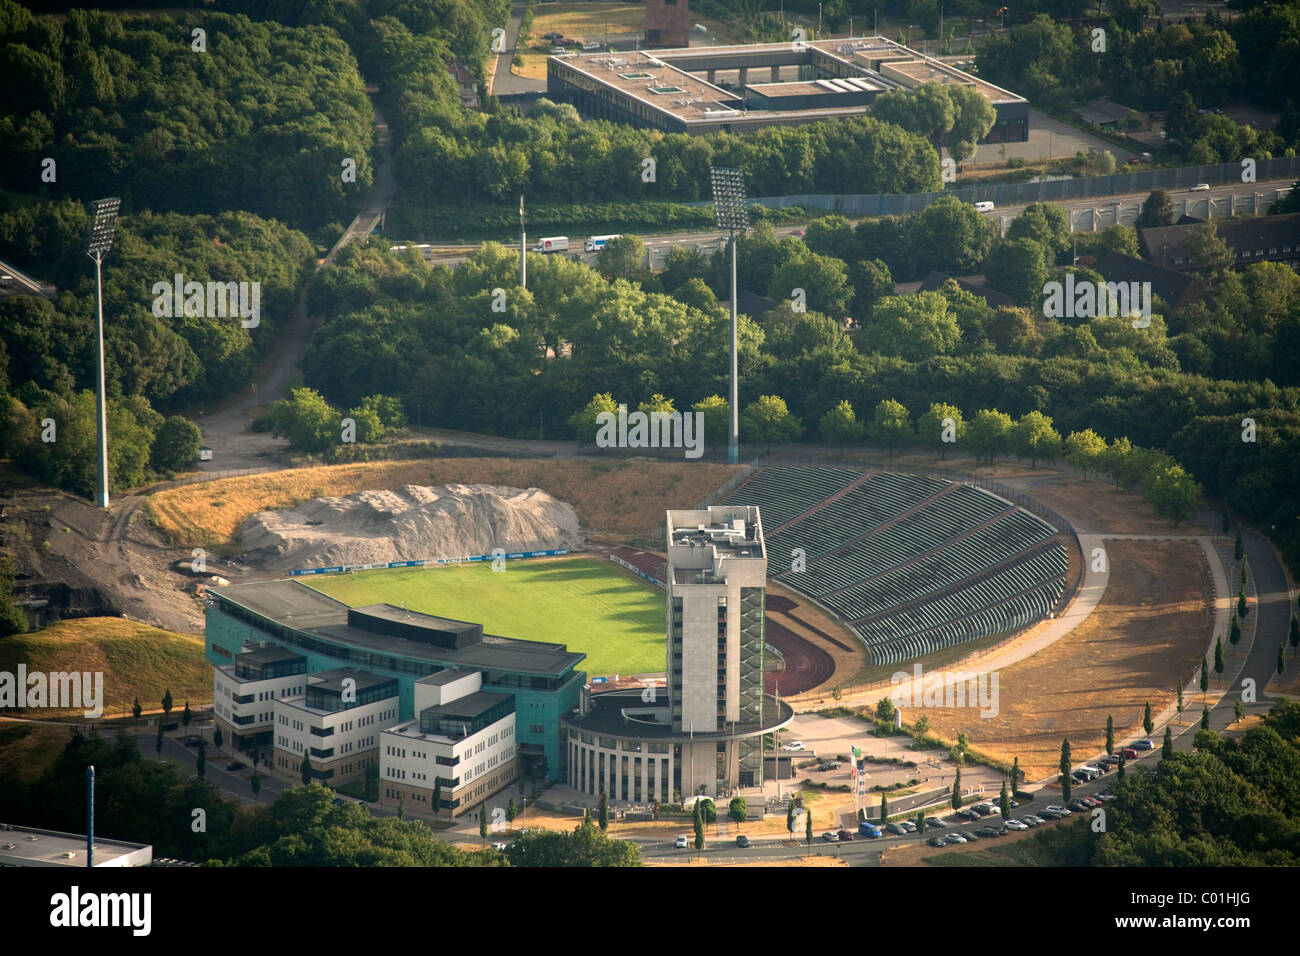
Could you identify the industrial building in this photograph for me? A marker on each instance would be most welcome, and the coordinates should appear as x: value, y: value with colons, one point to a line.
x: 705, y: 735
x: 698, y: 90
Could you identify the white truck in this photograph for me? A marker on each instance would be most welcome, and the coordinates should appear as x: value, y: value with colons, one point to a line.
x: 596, y: 243
x: 553, y: 244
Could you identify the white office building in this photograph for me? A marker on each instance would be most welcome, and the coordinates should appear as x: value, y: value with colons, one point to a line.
x: 337, y: 723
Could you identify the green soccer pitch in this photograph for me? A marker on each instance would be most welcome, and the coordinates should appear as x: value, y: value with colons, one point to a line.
x: 589, y: 605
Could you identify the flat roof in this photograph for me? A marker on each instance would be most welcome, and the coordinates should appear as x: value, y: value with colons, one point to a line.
x: 35, y: 847
x: 268, y: 655
x: 444, y: 676
x: 333, y: 679
x: 606, y: 717
x: 304, y: 609
x: 467, y: 707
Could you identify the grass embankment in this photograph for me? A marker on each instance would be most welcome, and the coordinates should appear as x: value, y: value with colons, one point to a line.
x: 135, y: 659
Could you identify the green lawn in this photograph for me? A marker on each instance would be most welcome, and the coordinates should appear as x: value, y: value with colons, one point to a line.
x: 589, y: 605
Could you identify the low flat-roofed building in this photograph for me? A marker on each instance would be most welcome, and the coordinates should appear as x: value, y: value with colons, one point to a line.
x: 698, y: 90
x: 336, y: 723
x: 243, y: 693
x: 29, y: 846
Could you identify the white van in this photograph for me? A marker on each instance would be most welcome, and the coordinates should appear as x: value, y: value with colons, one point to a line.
x: 984, y: 207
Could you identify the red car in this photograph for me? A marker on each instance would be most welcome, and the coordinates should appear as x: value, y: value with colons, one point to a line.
x: 1130, y: 753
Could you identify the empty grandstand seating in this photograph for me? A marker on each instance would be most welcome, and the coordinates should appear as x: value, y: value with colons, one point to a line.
x: 912, y: 564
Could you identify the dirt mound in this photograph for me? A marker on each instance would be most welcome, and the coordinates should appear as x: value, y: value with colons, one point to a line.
x: 413, y: 522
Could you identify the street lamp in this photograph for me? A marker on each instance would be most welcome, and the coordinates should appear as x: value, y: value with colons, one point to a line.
x: 97, y: 246
x: 730, y: 213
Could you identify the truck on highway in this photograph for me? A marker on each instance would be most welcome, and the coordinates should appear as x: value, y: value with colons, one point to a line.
x: 553, y: 244
x: 596, y: 243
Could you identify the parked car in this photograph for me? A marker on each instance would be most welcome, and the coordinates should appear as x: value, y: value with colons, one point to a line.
x: 590, y: 46
x: 895, y: 829
x: 682, y: 841
x: 1109, y: 760
x: 830, y: 836
x: 234, y: 765
x: 954, y: 837
x: 989, y: 832
x: 934, y: 823
x: 1096, y: 768
x: 869, y: 830
x: 555, y: 50
x: 1052, y: 808
x: 966, y: 813
x: 552, y: 36
x: 1105, y: 796
x: 844, y: 835
x: 971, y: 836
x: 1078, y: 806
x: 1146, y: 744
x: 1130, y: 753
x: 937, y: 841
x: 1017, y: 825
x: 742, y: 842
x: 907, y: 825
x: 1033, y: 819
x: 499, y: 847
x: 1091, y: 801
x: 794, y: 745
x: 1133, y: 161
x: 566, y: 41
x: 1200, y: 188
x: 830, y: 765
x: 985, y: 809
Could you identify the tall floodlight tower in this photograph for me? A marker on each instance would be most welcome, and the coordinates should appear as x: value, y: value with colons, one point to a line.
x: 523, y: 247
x: 731, y: 214
x: 97, y: 246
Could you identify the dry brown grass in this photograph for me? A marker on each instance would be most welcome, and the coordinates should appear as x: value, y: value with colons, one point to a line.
x: 1148, y: 632
x: 1097, y: 506
x: 621, y: 498
x: 27, y: 750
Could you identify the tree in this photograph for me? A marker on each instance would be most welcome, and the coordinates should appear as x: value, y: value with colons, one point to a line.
x: 884, y: 809
x: 201, y: 761
x: 1242, y: 607
x: 891, y: 425
x: 306, y: 420
x: 1180, y: 697
x: 1281, y: 659
x: 217, y: 737
x: 256, y: 783
x: 1004, y: 802
x: 167, y: 702
x: 737, y: 811
x: 136, y: 709
x: 305, y: 768
x: 437, y: 796
x: 807, y: 829
x: 1157, y: 210
x: 1238, y: 549
x: 1205, y: 718
x: 989, y: 433
x: 1110, y: 734
x: 622, y: 258
x: 1205, y: 675
x: 1167, y: 747
x: 1234, y: 630
x: 885, y: 709
x: 1119, y: 769
x: 1084, y: 450
x: 942, y: 425
x: 871, y: 281
x: 1237, y: 710
x: 699, y: 826
x: 920, y: 824
x: 1018, y: 267
x: 158, y: 741
x: 1045, y: 223
x: 956, y: 790
x: 602, y: 815
x: 1015, y: 774
x: 584, y: 422
x: 1065, y: 769
x: 1173, y: 493
x: 1033, y: 437
x: 1147, y: 723
x: 840, y: 426
x: 1218, y: 656
x: 823, y: 279
x: 512, y: 810
x: 175, y: 446
x: 483, y: 820
x: 915, y: 327
x: 186, y: 716
x: 789, y: 818
x: 1294, y: 634
x: 768, y: 421
x: 1209, y: 253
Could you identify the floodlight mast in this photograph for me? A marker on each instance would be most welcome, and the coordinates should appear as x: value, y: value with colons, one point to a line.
x: 97, y: 247
x: 730, y: 213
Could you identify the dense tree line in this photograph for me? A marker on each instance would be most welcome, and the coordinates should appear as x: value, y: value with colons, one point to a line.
x: 152, y: 802
x: 262, y: 120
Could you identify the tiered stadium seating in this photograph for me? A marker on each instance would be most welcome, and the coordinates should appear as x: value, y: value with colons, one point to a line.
x: 912, y: 564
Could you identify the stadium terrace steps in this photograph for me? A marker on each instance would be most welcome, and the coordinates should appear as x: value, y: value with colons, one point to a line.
x: 912, y: 564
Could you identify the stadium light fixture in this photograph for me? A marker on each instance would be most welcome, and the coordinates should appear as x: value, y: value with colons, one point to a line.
x: 731, y: 213
x: 98, y: 244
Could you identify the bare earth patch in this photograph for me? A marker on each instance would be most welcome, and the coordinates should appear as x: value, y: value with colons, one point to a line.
x: 1146, y: 635
x: 626, y: 498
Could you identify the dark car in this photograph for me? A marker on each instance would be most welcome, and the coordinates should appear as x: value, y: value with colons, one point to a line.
x: 234, y: 765
x: 988, y: 832
x: 971, y: 836
x: 845, y: 835
x: 552, y: 36
x: 966, y: 813
x: 895, y: 829
x: 937, y: 841
x: 934, y: 823
x: 742, y: 842
x: 1078, y: 806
